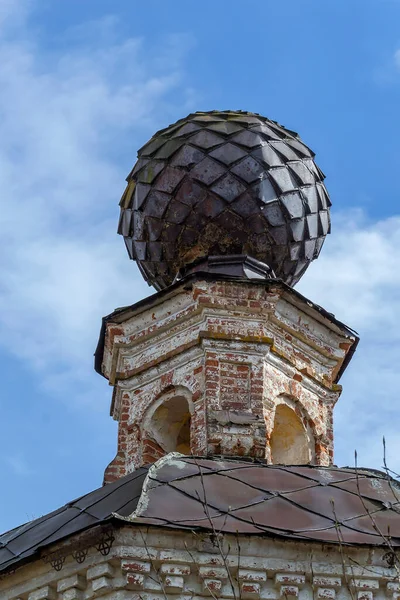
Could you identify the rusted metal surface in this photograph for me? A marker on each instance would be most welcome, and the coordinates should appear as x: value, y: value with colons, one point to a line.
x: 224, y: 183
x: 240, y: 266
x: 345, y: 506
x: 335, y: 505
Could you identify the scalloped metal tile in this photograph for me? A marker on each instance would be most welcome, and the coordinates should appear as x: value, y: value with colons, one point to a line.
x: 224, y: 182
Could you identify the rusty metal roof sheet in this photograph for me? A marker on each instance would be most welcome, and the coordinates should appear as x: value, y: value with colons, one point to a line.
x: 353, y: 506
x: 320, y: 504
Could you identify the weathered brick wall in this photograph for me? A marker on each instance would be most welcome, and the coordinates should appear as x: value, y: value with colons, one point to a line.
x: 234, y: 398
x: 238, y: 349
x: 151, y: 451
x: 155, y: 564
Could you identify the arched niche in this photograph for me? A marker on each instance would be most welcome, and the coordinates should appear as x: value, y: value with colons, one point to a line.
x: 290, y: 442
x: 168, y: 421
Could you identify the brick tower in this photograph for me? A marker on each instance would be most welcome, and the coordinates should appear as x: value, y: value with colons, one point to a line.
x: 227, y: 358
x: 224, y: 383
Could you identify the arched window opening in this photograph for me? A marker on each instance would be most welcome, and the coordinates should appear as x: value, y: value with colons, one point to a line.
x: 289, y: 441
x: 169, y: 425
x: 183, y: 440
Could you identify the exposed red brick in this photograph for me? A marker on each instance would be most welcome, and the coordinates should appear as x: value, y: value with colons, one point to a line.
x: 234, y: 373
x: 212, y: 363
x: 151, y: 451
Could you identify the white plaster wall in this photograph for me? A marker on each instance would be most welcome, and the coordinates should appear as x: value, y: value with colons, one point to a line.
x: 146, y: 564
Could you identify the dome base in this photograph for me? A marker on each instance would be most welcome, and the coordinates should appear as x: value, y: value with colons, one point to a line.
x: 235, y: 265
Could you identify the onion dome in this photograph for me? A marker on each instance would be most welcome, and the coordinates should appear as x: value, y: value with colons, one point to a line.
x: 222, y: 184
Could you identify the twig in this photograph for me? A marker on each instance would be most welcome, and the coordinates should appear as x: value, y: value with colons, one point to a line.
x: 216, y: 535
x: 385, y: 539
x: 200, y: 575
x: 340, y: 540
x: 238, y: 561
x: 374, y: 524
x: 387, y: 470
x: 160, y: 581
x: 312, y: 575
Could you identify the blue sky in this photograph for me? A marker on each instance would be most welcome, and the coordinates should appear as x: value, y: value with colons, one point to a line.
x: 83, y: 86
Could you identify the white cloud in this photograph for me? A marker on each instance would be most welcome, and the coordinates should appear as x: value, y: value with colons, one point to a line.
x: 68, y: 124
x: 397, y: 59
x: 71, y: 123
x: 357, y: 272
x: 18, y: 465
x: 387, y: 72
x: 357, y: 277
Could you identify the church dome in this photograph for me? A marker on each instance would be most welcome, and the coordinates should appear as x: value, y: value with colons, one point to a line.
x: 221, y: 184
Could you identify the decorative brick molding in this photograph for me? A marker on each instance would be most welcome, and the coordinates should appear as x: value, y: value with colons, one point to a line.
x: 158, y: 563
x: 235, y: 351
x: 326, y: 587
x: 44, y: 593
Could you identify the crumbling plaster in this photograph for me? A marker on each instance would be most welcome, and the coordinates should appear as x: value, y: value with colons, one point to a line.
x: 237, y: 348
x: 152, y: 563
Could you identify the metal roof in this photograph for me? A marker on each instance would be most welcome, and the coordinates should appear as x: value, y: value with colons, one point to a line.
x: 25, y: 543
x: 305, y: 503
x: 224, y: 183
x: 326, y: 504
